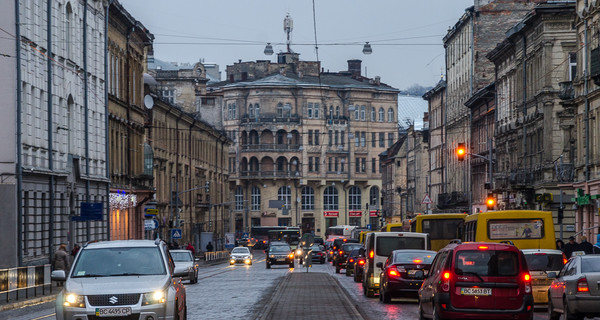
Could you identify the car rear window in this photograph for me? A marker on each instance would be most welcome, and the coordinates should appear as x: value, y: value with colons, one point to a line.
x: 487, y: 263
x: 181, y: 256
x: 544, y: 262
x: 350, y: 248
x: 590, y: 264
x: 385, y: 245
x: 414, y: 257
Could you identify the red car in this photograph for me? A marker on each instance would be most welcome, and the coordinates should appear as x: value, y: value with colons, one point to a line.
x: 477, y: 280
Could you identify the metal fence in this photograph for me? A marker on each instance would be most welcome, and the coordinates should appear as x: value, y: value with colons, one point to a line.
x: 216, y: 256
x: 25, y: 282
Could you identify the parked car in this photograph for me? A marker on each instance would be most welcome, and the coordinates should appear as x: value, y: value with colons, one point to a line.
x: 403, y: 272
x: 341, y: 255
x: 477, y: 280
x: 279, y: 254
x: 124, y: 279
x: 540, y: 262
x: 240, y: 255
x: 351, y: 261
x: 185, y: 262
x: 575, y: 292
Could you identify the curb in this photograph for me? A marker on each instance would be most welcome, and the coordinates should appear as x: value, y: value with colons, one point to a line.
x: 264, y: 313
x: 350, y: 301
x: 27, y: 303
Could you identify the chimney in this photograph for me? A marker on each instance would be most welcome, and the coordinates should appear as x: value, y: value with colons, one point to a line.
x: 377, y: 80
x: 354, y: 67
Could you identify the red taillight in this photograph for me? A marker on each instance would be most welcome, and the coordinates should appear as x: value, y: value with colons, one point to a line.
x: 446, y: 281
x: 350, y: 260
x: 361, y: 261
x: 482, y: 247
x: 446, y: 275
x: 393, y: 272
x: 582, y: 285
x: 565, y: 260
x: 527, y: 280
x: 371, y: 254
x: 417, y: 261
x: 330, y: 252
x: 526, y: 277
x: 341, y: 253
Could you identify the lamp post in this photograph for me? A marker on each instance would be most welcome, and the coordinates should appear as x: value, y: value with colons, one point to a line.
x: 461, y: 151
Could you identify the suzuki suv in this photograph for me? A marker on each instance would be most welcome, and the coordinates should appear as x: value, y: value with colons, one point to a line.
x: 122, y: 279
x: 477, y: 280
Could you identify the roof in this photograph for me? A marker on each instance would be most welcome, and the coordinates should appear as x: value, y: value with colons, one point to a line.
x: 411, y: 110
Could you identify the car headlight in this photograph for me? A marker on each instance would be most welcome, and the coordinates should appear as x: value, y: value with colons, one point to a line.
x: 74, y: 300
x: 272, y: 256
x: 153, y: 297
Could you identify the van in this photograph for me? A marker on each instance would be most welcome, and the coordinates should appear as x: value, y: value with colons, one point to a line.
x: 477, y: 280
x: 379, y: 246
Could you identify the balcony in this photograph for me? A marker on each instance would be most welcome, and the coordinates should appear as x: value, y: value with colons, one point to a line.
x: 251, y: 174
x: 270, y: 147
x: 268, y: 119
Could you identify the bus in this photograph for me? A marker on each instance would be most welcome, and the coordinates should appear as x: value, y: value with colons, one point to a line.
x: 339, y: 231
x: 289, y: 235
x: 391, y: 227
x: 441, y: 227
x: 259, y: 235
x: 526, y: 229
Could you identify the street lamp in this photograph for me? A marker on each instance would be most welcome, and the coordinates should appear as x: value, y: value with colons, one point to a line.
x: 367, y: 48
x: 268, y: 49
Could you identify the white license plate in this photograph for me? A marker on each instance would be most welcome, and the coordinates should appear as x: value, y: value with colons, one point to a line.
x: 412, y: 272
x: 476, y: 291
x: 281, y: 259
x: 113, y: 312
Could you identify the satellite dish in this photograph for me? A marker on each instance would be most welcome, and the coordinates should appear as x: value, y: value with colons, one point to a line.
x: 148, y: 101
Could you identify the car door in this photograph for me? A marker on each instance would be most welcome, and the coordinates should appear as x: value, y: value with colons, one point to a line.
x: 556, y: 289
x: 427, y: 289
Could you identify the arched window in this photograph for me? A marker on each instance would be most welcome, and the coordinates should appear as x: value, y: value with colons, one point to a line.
x: 285, y: 193
x: 373, y: 118
x: 239, y: 198
x: 337, y: 111
x: 69, y: 29
x: 374, y: 197
x: 255, y: 198
x: 308, y: 198
x: 281, y: 164
x: 390, y: 115
x: 354, y: 198
x: 330, y: 112
x: 363, y: 111
x: 356, y: 112
x: 381, y: 115
x: 251, y: 110
x: 330, y: 199
x: 280, y: 110
x: 256, y: 110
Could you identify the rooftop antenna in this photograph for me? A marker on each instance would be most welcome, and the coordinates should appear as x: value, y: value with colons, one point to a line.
x: 288, y: 26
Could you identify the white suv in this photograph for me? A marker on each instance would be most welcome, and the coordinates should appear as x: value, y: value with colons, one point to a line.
x: 128, y: 279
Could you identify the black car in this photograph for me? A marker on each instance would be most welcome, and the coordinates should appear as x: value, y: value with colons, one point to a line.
x: 403, y: 272
x: 279, y: 254
x: 352, y: 260
x: 341, y: 255
x: 318, y: 255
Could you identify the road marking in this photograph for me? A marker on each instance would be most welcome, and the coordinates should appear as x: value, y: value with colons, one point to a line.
x: 42, y: 317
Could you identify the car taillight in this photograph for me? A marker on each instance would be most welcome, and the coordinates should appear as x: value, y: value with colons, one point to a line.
x: 482, y: 247
x: 582, y: 285
x: 565, y: 260
x: 350, y: 260
x: 291, y: 255
x: 371, y: 254
x: 527, y: 282
x: 330, y: 252
x: 341, y: 253
x: 361, y: 261
x: 417, y: 261
x: 446, y: 281
x: 393, y: 272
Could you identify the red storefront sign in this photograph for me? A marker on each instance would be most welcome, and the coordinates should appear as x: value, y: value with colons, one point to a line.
x: 354, y: 213
x: 373, y: 213
x: 331, y: 213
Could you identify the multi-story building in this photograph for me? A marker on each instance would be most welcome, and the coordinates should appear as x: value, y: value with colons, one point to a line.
x: 534, y: 127
x: 586, y: 106
x: 130, y: 174
x: 394, y: 181
x: 54, y: 87
x: 477, y: 32
x: 436, y: 99
x: 309, y: 139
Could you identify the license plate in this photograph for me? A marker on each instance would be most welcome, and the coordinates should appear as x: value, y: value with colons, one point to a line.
x: 113, y: 312
x: 476, y: 291
x: 281, y: 259
x: 412, y: 272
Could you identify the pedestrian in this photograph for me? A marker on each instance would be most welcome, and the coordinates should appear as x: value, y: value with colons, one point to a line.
x: 191, y: 248
x: 597, y: 245
x: 585, y: 246
x: 76, y: 248
x: 560, y: 245
x: 571, y: 247
x: 61, y: 261
x: 209, y: 247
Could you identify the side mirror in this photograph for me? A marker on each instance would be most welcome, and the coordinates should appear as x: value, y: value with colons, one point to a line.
x: 58, y: 275
x: 379, y: 265
x: 551, y: 275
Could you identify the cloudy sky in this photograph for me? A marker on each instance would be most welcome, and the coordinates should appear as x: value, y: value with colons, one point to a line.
x: 406, y: 36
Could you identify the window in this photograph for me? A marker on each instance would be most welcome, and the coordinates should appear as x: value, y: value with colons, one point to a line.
x: 310, y: 137
x: 251, y: 110
x: 373, y: 139
x: 363, y: 110
x: 330, y: 198
x: 382, y: 139
x: 354, y: 198
x: 363, y: 139
x: 390, y: 115
x: 572, y: 66
x: 317, y: 163
x: 357, y: 139
x: 239, y: 198
x: 285, y: 193
x: 336, y: 167
x: 356, y: 112
x: 308, y: 198
x: 316, y: 111
x: 381, y: 115
x: 357, y: 165
x: 169, y: 95
x: 343, y: 162
x: 317, y: 134
x: 280, y: 110
x: 363, y: 165
x: 330, y: 112
x: 257, y: 111
x: 330, y: 164
x: 310, y: 164
x: 337, y: 112
x: 337, y: 137
x: 287, y: 110
x: 390, y: 139
x: 343, y: 138
x: 373, y: 165
x: 374, y: 197
x: 330, y: 137
x: 255, y: 198
x: 373, y: 114
x: 70, y: 28
x: 309, y: 110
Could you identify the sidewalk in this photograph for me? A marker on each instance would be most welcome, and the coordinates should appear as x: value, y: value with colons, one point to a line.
x: 309, y: 295
x: 24, y: 301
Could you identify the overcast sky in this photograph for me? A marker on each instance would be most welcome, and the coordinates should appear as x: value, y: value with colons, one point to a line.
x: 406, y: 36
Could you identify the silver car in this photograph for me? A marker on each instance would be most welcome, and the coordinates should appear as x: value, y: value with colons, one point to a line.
x: 240, y: 255
x: 185, y: 263
x: 121, y: 279
x: 575, y: 291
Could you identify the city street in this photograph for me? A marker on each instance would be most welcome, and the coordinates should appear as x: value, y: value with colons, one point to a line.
x: 241, y: 292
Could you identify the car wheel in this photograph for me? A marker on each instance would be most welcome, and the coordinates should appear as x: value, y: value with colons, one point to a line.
x: 568, y: 314
x: 552, y: 315
x: 385, y: 298
x: 176, y: 311
x: 348, y: 272
x: 292, y: 265
x: 436, y: 314
x: 370, y: 293
x: 364, y: 286
x: 268, y: 266
x: 420, y: 310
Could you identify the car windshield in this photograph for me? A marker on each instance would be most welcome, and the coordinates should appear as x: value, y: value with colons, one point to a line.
x: 240, y: 250
x: 414, y: 257
x: 315, y: 248
x: 181, y: 256
x: 279, y: 249
x: 105, y: 262
x: 487, y: 263
x: 544, y: 262
x: 590, y: 264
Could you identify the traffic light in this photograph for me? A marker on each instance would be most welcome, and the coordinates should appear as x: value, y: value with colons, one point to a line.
x: 207, y: 186
x: 461, y: 151
x: 490, y: 201
x: 561, y: 214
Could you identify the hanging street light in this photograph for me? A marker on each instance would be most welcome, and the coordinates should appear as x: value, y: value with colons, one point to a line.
x: 269, y: 49
x: 366, y: 49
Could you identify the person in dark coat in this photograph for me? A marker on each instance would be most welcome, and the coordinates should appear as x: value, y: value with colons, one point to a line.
x: 585, y: 246
x: 75, y: 250
x: 61, y: 261
x: 597, y: 245
x: 560, y: 245
x: 209, y: 247
x: 571, y: 246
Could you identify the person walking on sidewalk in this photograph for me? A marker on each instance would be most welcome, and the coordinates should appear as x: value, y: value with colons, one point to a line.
x: 61, y: 261
x: 209, y: 247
